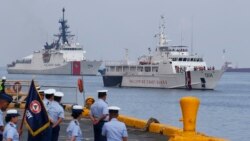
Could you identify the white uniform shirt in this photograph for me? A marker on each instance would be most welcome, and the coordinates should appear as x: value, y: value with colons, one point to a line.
x: 1, y: 121
x: 74, y: 130
x: 10, y: 132
x: 46, y: 103
x: 99, y: 108
x: 114, y: 130
x: 55, y: 111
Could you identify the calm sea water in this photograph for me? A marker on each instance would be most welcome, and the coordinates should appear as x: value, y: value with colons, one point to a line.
x: 224, y: 112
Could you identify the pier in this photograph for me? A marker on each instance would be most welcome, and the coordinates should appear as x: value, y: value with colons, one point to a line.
x: 88, y: 133
x: 138, y: 129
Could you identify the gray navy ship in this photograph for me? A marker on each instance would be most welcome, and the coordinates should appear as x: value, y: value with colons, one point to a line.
x: 63, y: 56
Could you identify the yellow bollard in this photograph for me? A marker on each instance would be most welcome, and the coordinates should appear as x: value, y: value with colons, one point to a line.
x: 189, y: 107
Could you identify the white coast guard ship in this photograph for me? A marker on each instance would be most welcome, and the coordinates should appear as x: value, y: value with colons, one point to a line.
x: 66, y: 57
x: 168, y: 67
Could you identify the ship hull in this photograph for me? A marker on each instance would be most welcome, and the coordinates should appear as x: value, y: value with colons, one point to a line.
x: 189, y: 80
x: 67, y: 68
x: 238, y: 70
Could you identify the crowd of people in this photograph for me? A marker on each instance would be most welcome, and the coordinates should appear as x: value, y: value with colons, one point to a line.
x: 106, y: 127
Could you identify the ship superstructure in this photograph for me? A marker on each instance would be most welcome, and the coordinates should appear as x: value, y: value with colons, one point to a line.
x: 63, y: 56
x: 168, y: 67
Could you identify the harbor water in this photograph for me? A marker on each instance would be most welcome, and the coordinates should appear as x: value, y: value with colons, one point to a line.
x: 224, y: 112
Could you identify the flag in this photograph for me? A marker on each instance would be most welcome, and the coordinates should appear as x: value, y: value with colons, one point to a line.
x: 36, y: 117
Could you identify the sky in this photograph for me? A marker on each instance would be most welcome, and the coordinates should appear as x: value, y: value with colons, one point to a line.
x: 106, y: 27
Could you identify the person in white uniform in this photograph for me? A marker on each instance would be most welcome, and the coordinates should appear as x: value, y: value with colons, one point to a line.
x: 48, y: 100
x: 49, y: 97
x: 41, y: 94
x: 99, y: 114
x: 114, y: 130
x: 57, y: 115
x: 5, y: 100
x: 74, y: 131
x: 10, y: 132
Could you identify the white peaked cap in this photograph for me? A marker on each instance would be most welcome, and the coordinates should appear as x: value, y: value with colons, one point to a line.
x: 12, y: 111
x: 102, y: 91
x: 4, y: 78
x: 115, y: 108
x: 59, y: 94
x: 50, y: 91
x: 77, y: 107
x: 40, y: 91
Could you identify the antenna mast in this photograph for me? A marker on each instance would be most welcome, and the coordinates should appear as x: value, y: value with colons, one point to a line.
x: 192, y: 34
x: 64, y: 33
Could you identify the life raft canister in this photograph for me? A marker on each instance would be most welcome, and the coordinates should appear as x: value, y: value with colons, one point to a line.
x: 17, y: 86
x: 80, y: 85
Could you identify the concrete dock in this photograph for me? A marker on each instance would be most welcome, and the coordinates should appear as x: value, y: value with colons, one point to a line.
x: 87, y: 129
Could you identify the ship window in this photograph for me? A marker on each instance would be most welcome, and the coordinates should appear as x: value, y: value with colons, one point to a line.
x: 188, y: 59
x: 119, y: 69
x: 180, y: 59
x: 192, y: 59
x: 155, y: 69
x: 184, y: 59
x: 132, y: 68
x: 174, y: 59
x: 140, y: 69
x: 125, y: 68
x: 147, y: 69
x: 112, y: 68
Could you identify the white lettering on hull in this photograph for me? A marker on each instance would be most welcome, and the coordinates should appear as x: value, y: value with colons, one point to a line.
x: 52, y: 65
x: 152, y: 82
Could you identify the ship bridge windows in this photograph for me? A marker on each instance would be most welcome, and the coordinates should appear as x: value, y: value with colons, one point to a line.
x: 188, y: 59
x: 72, y: 48
x: 163, y: 49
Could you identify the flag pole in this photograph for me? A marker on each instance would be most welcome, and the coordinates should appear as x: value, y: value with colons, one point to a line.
x: 83, y: 92
x: 24, y: 114
x: 21, y: 125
